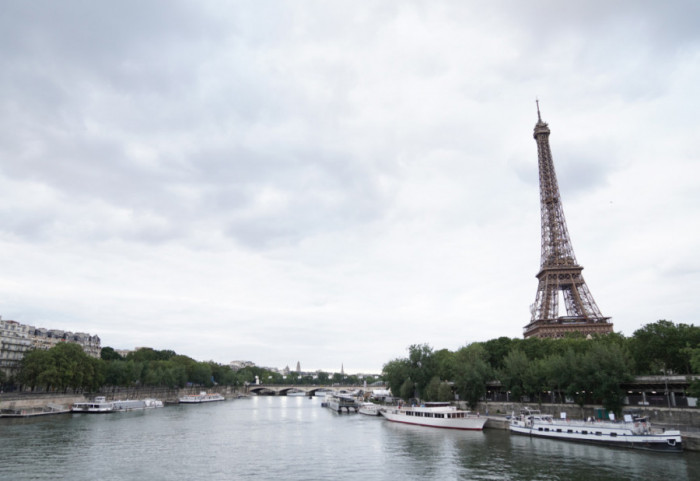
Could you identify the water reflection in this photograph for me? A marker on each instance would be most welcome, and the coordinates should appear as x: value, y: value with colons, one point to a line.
x: 295, y: 439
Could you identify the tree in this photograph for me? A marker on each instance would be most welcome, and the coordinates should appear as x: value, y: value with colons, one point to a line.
x: 395, y: 373
x: 32, y: 367
x: 445, y: 392
x: 560, y: 373
x: 444, y: 360
x: 472, y: 372
x: 661, y: 347
x: 431, y: 390
x: 109, y: 354
x: 422, y: 366
x: 694, y: 388
x: 614, y: 367
x: 222, y: 374
x: 514, y: 370
x: 497, y: 350
x: 407, y: 389
x: 62, y: 367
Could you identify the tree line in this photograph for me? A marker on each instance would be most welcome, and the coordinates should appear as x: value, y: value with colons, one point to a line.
x: 586, y: 370
x: 67, y: 367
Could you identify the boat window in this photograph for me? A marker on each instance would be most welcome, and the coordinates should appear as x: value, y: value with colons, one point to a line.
x: 613, y: 434
x: 569, y: 430
x: 598, y: 433
x: 558, y: 430
x: 584, y: 432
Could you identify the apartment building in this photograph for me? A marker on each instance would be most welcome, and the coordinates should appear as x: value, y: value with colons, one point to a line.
x: 16, y: 339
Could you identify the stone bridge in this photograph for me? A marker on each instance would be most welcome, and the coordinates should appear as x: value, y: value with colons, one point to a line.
x: 286, y: 389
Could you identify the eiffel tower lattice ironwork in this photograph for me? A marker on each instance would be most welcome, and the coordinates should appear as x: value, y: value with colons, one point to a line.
x: 560, y: 274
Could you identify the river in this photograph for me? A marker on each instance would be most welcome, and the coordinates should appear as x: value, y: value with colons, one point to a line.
x: 294, y: 438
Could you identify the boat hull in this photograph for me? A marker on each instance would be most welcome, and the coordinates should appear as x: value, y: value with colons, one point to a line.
x: 670, y: 441
x: 369, y: 409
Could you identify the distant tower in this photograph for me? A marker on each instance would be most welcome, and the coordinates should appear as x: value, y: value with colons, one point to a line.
x: 559, y: 271
x: 298, y: 367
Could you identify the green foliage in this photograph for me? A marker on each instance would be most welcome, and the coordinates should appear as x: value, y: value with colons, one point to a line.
x: 395, y: 373
x: 694, y: 355
x: 472, y: 372
x: 431, y: 390
x: 407, y: 389
x: 445, y: 363
x: 146, y: 354
x: 497, y: 350
x: 585, y: 369
x: 445, y: 392
x: 422, y: 366
x: 662, y: 347
x: 109, y: 354
x: 512, y: 376
x: 66, y: 366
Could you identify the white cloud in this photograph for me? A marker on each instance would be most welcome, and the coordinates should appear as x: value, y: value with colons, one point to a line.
x: 330, y: 183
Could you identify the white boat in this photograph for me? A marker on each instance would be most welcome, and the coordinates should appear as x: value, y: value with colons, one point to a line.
x: 369, y: 409
x: 632, y: 433
x: 436, y: 415
x: 338, y: 402
x: 202, y: 397
x: 134, y: 404
x: 98, y: 405
x: 152, y: 403
x: 101, y: 405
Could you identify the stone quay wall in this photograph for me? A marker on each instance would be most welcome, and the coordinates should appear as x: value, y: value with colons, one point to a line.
x: 29, y: 400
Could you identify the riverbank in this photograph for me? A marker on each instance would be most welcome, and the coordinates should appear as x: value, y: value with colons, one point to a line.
x: 686, y: 420
x: 683, y: 419
x: 14, y: 404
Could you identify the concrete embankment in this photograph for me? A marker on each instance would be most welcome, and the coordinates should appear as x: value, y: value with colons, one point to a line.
x: 18, y: 402
x: 22, y: 401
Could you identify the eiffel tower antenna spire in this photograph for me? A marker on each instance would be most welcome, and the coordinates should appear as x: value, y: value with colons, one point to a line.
x: 560, y: 274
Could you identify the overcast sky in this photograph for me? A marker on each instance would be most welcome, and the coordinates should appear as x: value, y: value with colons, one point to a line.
x: 330, y: 182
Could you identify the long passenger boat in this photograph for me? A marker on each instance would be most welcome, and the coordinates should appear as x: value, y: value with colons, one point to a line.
x: 202, y: 397
x: 632, y: 433
x: 101, y: 405
x: 435, y: 415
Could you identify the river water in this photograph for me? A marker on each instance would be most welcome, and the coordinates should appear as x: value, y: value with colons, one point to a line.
x: 294, y: 438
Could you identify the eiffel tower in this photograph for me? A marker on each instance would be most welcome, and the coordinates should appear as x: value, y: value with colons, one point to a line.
x: 560, y: 274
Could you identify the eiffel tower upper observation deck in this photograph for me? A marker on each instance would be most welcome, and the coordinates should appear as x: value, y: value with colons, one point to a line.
x: 560, y: 274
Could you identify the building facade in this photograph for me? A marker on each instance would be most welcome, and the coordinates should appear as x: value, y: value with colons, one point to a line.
x: 16, y: 339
